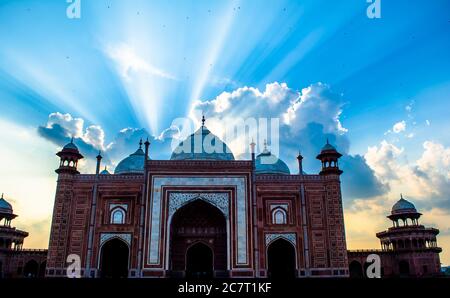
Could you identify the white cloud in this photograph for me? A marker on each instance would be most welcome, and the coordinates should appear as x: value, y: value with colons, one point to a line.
x: 295, y: 110
x: 73, y: 126
x: 399, y: 127
x: 427, y: 179
x: 95, y: 136
x: 382, y: 159
x: 61, y: 126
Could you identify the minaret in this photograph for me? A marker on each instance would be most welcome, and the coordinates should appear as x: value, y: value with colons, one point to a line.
x: 99, y: 159
x: 333, y: 210
x: 300, y: 163
x: 329, y: 158
x: 59, y: 233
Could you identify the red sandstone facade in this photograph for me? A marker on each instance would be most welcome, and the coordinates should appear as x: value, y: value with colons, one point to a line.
x: 206, y: 217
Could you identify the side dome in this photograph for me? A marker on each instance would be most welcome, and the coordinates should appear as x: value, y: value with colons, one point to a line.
x: 202, y: 145
x: 133, y: 164
x: 70, y: 146
x: 328, y: 147
x: 403, y: 206
x: 105, y: 172
x: 267, y: 163
x: 5, y: 207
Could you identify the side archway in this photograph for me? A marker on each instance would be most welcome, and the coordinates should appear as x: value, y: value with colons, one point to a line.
x: 356, y: 270
x: 114, y: 259
x: 281, y: 259
x: 31, y: 269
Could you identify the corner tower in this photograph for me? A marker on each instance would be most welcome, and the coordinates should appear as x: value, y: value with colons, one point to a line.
x: 67, y: 170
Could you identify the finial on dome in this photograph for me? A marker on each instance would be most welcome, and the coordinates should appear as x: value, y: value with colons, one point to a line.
x: 2, y: 195
x: 71, y: 140
x: 328, y: 141
x: 140, y: 143
x: 106, y: 168
x: 401, y: 196
x: 203, y: 120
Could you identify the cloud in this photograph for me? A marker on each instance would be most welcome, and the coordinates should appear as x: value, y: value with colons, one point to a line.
x: 399, y: 127
x: 426, y: 180
x: 359, y: 180
x: 72, y: 126
x: 306, y: 119
x: 61, y: 127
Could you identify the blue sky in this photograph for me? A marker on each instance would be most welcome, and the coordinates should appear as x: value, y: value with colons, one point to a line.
x: 140, y: 64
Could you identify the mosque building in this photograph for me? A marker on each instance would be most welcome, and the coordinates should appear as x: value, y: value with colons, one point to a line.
x: 200, y: 214
x: 204, y: 214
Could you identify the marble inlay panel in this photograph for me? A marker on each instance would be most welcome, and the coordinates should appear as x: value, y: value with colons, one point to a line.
x: 238, y: 182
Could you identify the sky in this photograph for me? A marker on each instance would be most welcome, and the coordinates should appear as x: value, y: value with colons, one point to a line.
x: 377, y: 88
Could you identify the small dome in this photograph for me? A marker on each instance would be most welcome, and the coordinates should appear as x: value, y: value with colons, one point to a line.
x: 267, y: 163
x: 403, y: 206
x: 328, y: 147
x: 105, y: 172
x: 5, y: 207
x: 133, y: 164
x: 70, y: 146
x: 198, y: 149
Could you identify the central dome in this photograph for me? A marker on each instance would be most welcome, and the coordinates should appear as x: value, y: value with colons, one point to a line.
x: 202, y: 145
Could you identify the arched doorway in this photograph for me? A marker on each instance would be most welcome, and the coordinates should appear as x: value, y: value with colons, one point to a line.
x: 198, y: 228
x: 403, y: 268
x: 199, y: 261
x: 31, y: 269
x: 114, y: 259
x: 356, y: 270
x: 42, y: 269
x: 281, y: 259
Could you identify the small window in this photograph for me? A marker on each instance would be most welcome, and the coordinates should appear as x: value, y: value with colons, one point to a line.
x: 118, y: 216
x: 279, y: 216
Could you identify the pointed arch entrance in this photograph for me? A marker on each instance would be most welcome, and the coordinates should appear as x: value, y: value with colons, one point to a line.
x: 198, y: 241
x: 281, y: 259
x: 114, y: 259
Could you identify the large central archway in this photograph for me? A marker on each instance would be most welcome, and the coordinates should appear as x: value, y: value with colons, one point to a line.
x: 114, y: 259
x: 281, y: 259
x: 198, y: 241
